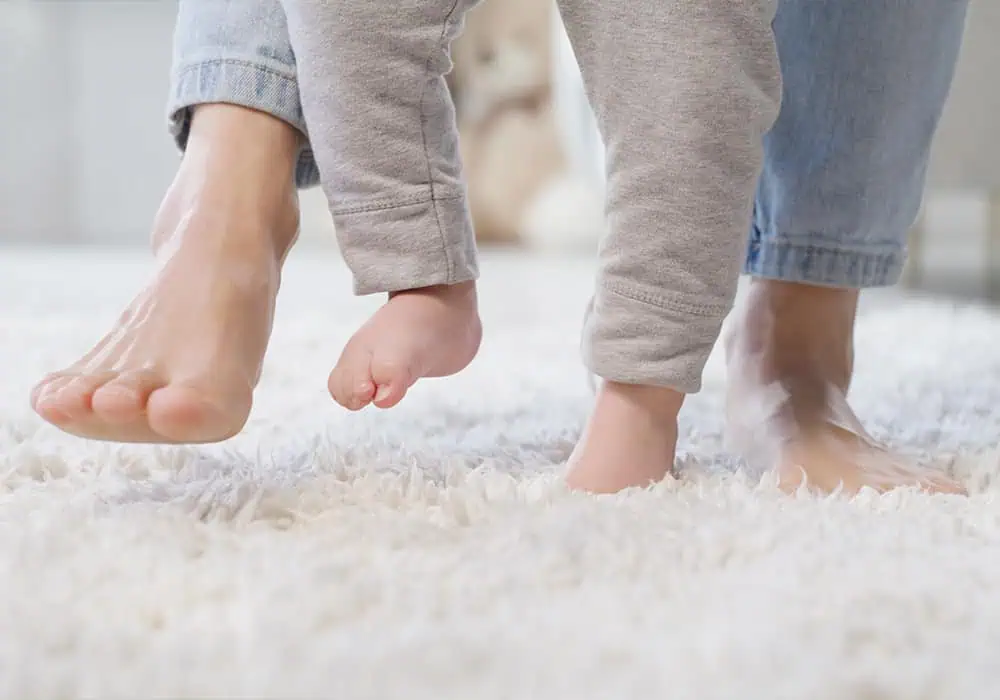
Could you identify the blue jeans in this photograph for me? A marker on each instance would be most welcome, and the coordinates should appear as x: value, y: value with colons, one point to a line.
x: 864, y: 85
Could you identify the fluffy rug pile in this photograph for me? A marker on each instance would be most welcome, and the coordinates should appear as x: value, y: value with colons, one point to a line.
x: 431, y: 551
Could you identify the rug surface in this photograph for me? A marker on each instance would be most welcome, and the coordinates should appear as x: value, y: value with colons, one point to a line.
x: 431, y: 552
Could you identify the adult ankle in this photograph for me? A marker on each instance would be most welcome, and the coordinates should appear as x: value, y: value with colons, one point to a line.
x: 226, y: 122
x: 788, y: 299
x: 225, y: 139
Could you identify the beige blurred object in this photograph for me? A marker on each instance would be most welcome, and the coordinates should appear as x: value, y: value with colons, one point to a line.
x: 966, y: 153
x: 521, y: 180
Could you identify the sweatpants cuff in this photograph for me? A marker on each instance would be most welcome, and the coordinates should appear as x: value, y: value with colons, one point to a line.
x: 408, y: 244
x: 243, y: 82
x: 632, y: 340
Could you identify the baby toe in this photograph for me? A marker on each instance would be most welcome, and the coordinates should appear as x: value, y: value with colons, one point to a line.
x: 350, y: 382
x: 392, y: 378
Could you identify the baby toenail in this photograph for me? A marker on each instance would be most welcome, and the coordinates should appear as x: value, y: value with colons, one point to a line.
x: 383, y: 392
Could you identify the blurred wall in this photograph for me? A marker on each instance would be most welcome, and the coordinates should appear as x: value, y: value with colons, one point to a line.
x: 84, y: 152
x: 34, y: 133
x: 967, y: 147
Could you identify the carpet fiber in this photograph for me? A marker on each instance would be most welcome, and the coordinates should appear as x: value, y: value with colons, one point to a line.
x: 430, y: 551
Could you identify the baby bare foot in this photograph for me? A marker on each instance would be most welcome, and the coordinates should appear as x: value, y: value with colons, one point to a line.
x: 789, y: 353
x: 428, y: 332
x: 181, y: 363
x: 629, y: 439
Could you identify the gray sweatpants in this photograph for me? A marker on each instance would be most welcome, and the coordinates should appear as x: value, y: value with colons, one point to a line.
x: 684, y: 91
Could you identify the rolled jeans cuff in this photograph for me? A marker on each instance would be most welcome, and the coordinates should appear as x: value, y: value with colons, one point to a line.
x: 246, y: 83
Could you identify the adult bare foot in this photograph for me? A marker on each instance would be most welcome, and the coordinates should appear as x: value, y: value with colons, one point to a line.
x: 428, y: 332
x: 181, y: 363
x: 629, y: 440
x: 789, y: 352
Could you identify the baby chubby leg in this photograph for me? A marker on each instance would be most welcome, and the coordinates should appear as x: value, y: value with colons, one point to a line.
x: 684, y: 92
x: 371, y: 80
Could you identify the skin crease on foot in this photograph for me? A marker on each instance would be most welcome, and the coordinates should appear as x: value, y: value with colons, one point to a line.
x: 789, y: 352
x: 181, y: 363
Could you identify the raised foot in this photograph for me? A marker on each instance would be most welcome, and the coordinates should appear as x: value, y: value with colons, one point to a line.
x: 181, y: 363
x: 629, y: 440
x: 427, y: 332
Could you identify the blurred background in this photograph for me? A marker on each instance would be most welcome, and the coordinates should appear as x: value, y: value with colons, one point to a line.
x: 85, y: 156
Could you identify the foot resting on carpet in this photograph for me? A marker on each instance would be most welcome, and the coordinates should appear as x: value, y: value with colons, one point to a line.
x: 789, y: 353
x: 629, y: 440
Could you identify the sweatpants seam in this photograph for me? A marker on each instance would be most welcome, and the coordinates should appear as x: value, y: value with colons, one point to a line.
x: 661, y: 302
x: 423, y: 137
x: 387, y: 205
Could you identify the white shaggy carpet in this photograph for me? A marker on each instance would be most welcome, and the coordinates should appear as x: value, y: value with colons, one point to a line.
x: 430, y: 552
